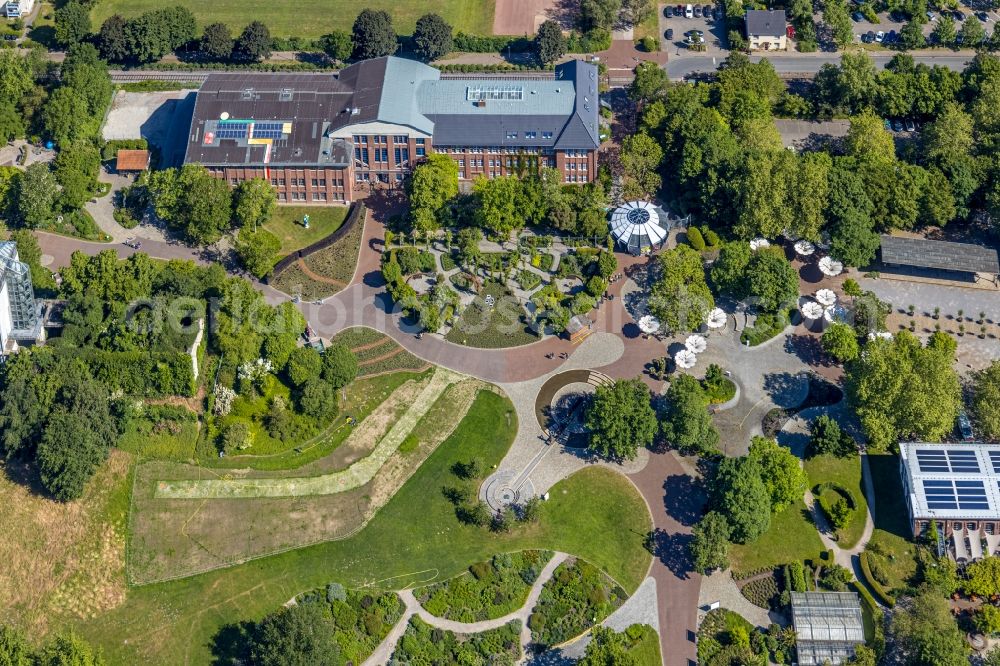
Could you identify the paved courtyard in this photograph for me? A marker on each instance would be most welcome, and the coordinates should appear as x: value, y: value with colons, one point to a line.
x: 162, y: 118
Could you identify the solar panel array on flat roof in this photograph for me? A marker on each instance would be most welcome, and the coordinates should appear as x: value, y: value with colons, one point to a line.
x: 962, y: 461
x: 267, y: 130
x: 995, y: 461
x: 968, y: 495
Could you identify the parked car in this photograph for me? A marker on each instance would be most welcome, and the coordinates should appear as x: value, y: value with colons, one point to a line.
x: 697, y: 11
x: 679, y: 10
x: 891, y: 37
x: 959, y: 15
x: 688, y: 11
x: 669, y: 34
x: 911, y: 126
x: 931, y: 17
x: 983, y: 16
x: 879, y: 37
x: 965, y: 426
x: 858, y: 17
x: 706, y: 11
x: 897, y: 125
x: 868, y: 37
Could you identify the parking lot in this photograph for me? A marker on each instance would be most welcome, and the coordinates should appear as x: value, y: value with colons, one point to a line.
x: 713, y: 30
x: 887, y: 22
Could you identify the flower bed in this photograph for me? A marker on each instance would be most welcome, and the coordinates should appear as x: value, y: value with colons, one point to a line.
x: 363, y: 619
x: 763, y: 592
x: 488, y: 590
x: 423, y: 644
x: 528, y: 280
x: 576, y: 597
x: 487, y: 326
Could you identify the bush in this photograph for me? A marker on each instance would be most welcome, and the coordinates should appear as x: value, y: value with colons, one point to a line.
x: 110, y: 149
x: 124, y: 218
x: 766, y: 327
x: 695, y: 239
x: 711, y: 238
x: 491, y: 44
x: 649, y: 44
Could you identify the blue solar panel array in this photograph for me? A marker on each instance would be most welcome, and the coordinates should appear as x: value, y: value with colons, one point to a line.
x: 995, y: 460
x: 268, y: 130
x: 967, y: 495
x: 943, y: 461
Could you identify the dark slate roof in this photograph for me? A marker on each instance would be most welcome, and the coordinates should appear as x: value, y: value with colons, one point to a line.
x: 304, y: 109
x: 311, y: 103
x: 942, y: 255
x: 766, y: 23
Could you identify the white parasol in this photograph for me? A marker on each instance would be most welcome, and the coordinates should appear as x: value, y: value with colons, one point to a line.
x: 811, y: 310
x: 804, y: 247
x: 826, y: 297
x: 830, y: 267
x: 685, y: 359
x: 649, y: 324
x: 758, y: 243
x: 880, y: 335
x: 717, y: 318
x: 696, y: 344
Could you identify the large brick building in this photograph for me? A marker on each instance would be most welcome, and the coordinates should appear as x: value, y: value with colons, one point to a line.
x: 329, y: 138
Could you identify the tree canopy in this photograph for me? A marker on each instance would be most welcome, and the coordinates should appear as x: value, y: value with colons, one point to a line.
x: 193, y: 201
x: 298, y: 635
x: 681, y: 298
x: 901, y: 389
x: 710, y: 543
x: 687, y: 423
x: 780, y: 471
x: 621, y: 419
x: 432, y: 37
x: 373, y: 34
x: 986, y: 400
x: 550, y: 45
x: 739, y: 494
x: 433, y: 183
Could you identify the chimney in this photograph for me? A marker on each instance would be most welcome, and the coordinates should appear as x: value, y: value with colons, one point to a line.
x: 481, y: 103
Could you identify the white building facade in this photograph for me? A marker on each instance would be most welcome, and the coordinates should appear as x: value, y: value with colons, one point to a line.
x: 20, y: 320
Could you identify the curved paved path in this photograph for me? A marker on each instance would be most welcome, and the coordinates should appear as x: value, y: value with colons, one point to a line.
x: 673, y: 503
x: 385, y: 649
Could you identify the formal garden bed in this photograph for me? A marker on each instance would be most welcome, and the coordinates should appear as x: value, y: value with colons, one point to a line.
x: 334, y: 266
x: 488, y: 590
x: 578, y: 596
x: 719, y: 389
x: 486, y: 326
x: 423, y: 644
x: 766, y: 326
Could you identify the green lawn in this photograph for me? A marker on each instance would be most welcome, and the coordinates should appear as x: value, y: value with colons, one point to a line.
x: 792, y: 536
x: 646, y: 648
x: 845, y: 472
x: 889, y: 513
x: 286, y: 224
x: 286, y: 18
x: 415, y: 538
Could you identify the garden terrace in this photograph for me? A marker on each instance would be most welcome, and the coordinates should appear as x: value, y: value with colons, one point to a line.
x: 399, y: 544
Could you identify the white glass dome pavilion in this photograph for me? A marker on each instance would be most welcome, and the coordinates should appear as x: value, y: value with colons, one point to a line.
x: 635, y: 225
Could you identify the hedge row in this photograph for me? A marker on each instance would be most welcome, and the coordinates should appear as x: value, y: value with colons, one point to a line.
x: 492, y: 43
x: 868, y: 605
x: 111, y: 148
x: 884, y: 597
x: 138, y: 373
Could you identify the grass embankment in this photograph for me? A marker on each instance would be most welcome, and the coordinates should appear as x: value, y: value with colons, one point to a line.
x: 846, y: 473
x: 415, y: 538
x: 892, y: 535
x: 312, y: 19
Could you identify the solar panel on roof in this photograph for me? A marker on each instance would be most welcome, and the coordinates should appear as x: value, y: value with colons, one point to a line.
x: 995, y: 460
x: 508, y: 92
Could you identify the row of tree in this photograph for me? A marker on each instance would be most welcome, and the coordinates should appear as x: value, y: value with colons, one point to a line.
x: 725, y: 154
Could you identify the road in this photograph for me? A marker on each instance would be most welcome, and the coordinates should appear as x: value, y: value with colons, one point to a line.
x: 807, y: 64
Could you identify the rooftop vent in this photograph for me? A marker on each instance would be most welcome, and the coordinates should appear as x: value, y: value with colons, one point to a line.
x: 355, y: 111
x: 247, y: 93
x: 285, y: 95
x: 481, y: 103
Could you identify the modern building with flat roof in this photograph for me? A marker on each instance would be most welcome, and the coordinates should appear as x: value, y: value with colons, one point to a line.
x: 956, y: 486
x: 322, y: 138
x: 828, y: 627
